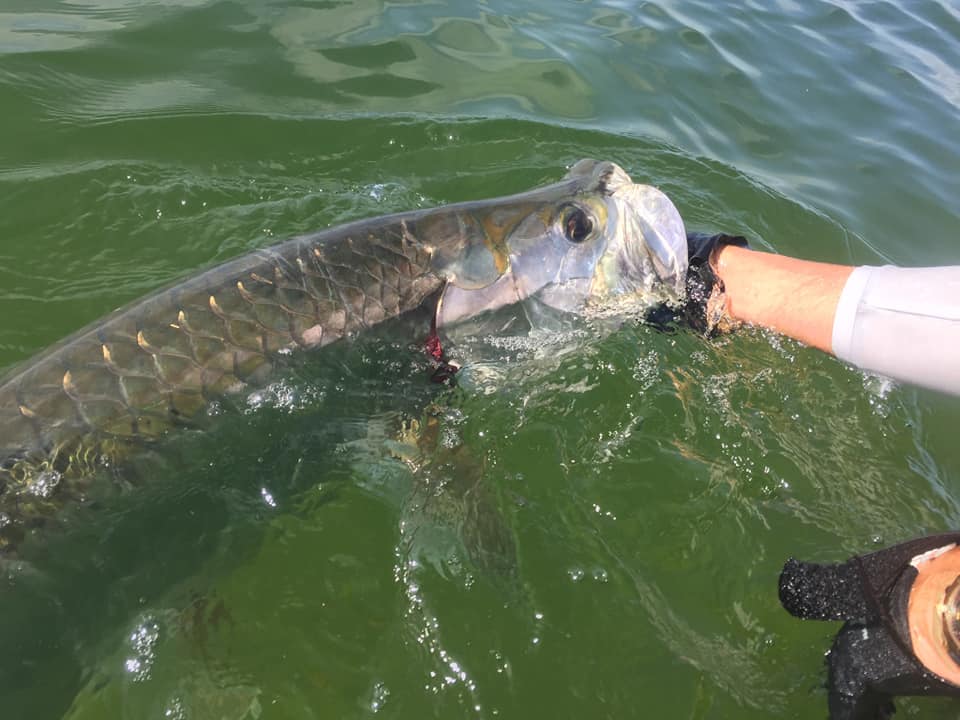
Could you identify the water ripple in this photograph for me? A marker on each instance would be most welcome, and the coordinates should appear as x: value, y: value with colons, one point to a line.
x: 641, y: 472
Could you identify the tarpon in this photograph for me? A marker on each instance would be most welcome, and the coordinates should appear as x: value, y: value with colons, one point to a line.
x: 592, y: 239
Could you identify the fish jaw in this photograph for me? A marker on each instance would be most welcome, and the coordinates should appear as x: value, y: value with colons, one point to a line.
x: 457, y: 304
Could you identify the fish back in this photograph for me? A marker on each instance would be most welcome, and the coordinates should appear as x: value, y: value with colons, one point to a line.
x: 163, y: 360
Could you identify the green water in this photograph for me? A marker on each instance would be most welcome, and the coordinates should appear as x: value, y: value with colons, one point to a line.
x: 283, y: 566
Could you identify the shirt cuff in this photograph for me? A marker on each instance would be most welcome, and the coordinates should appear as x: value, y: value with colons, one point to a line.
x: 844, y: 319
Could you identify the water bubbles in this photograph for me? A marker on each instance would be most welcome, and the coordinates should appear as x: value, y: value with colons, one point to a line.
x: 450, y: 438
x: 379, y: 696
x: 44, y: 484
x: 611, y: 447
x: 501, y: 664
x: 597, y: 574
x: 281, y: 395
x: 481, y: 378
x: 175, y: 710
x: 271, y: 396
x: 450, y: 672
x: 878, y: 390
x: 143, y: 641
x: 605, y: 513
x: 646, y: 370
x: 268, y: 498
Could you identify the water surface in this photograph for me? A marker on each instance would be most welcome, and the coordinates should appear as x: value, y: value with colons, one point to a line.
x: 650, y: 486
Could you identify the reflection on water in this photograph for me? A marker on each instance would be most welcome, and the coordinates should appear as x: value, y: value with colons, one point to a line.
x: 798, y: 96
x: 456, y: 64
x: 57, y: 26
x: 822, y: 100
x: 21, y: 32
x: 367, y: 57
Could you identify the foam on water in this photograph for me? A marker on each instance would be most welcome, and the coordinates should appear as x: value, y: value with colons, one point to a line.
x: 283, y: 395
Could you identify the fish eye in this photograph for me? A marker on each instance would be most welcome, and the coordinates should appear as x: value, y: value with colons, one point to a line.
x: 577, y: 225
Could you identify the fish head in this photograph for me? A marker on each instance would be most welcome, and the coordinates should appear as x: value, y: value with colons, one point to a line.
x: 595, y: 243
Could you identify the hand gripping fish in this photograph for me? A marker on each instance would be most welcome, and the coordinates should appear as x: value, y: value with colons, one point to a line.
x: 591, y: 240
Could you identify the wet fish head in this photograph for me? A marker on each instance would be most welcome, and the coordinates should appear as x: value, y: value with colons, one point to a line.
x: 595, y: 244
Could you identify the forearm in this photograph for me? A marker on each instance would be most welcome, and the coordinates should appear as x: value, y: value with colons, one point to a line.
x: 795, y: 297
x: 900, y: 322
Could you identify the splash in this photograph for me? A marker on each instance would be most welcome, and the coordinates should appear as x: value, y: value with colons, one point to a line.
x: 282, y: 395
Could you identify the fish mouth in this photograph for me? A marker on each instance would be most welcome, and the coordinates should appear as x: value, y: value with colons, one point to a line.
x: 654, y: 237
x: 456, y: 304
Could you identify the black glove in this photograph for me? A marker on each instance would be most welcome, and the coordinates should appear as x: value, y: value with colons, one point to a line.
x: 700, y: 312
x: 872, y: 659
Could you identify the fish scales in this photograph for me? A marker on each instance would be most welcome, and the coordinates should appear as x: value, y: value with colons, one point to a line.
x: 160, y: 362
x: 97, y: 396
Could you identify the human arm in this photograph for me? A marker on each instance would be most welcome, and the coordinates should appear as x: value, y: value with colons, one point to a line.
x: 899, y: 322
x: 795, y: 297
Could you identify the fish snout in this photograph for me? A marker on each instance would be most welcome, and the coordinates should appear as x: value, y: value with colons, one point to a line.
x: 654, y: 237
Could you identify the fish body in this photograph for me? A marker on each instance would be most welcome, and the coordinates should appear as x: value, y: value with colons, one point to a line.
x: 160, y: 362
